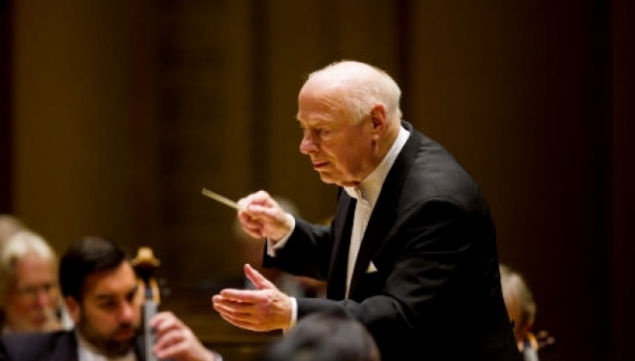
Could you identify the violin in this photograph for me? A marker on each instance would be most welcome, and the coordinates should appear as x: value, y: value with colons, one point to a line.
x: 145, y: 265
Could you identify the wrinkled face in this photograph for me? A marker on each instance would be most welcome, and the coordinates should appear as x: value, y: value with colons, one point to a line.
x: 341, y: 150
x: 34, y: 297
x: 110, y: 312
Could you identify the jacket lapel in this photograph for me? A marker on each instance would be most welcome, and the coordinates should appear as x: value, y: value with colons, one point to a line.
x: 384, y: 215
x: 336, y: 284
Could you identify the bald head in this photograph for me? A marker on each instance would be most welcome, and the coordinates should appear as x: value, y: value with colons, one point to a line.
x: 356, y: 88
x: 350, y: 117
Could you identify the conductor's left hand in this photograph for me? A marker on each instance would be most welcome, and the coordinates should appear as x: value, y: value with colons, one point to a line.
x: 263, y: 309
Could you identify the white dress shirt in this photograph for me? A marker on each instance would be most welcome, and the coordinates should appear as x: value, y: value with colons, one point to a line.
x: 367, y: 194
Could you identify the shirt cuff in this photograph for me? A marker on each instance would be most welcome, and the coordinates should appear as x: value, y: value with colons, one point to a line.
x: 273, y: 247
x: 294, y: 315
x: 217, y: 356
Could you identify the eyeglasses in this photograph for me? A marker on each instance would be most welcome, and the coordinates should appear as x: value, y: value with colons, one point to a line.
x: 31, y: 291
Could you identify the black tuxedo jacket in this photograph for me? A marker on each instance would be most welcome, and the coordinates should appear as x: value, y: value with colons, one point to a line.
x: 48, y: 346
x: 436, y: 293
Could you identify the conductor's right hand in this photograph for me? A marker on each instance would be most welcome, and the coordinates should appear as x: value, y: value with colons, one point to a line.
x: 262, y: 217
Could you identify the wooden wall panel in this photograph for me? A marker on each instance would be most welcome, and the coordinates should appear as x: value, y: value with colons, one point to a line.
x: 204, y: 137
x: 516, y: 92
x: 120, y: 114
x: 72, y: 74
x: 6, y: 106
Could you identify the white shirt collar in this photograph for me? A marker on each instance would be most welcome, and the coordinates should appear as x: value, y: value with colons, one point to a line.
x: 368, y: 190
x: 88, y: 352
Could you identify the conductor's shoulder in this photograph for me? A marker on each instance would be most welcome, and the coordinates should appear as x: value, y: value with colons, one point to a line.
x: 435, y: 174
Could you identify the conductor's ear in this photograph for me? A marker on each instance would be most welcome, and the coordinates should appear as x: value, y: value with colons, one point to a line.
x: 378, y: 119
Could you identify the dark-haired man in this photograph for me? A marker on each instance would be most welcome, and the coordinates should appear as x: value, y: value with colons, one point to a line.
x: 102, y: 296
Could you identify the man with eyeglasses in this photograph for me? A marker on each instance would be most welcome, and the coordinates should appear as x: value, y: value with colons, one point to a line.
x: 30, y: 298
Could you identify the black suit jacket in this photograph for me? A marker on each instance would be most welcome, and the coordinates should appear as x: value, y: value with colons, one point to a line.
x: 48, y: 346
x: 436, y: 294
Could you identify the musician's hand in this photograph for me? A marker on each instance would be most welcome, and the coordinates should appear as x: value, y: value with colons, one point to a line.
x: 264, y: 309
x: 261, y: 216
x: 177, y: 341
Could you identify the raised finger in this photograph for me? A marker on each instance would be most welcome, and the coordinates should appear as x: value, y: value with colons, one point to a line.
x: 257, y: 278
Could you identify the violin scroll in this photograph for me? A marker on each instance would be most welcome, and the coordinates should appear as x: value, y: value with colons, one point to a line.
x: 145, y: 265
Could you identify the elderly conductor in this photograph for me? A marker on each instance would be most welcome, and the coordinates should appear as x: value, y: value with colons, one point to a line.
x: 411, y: 251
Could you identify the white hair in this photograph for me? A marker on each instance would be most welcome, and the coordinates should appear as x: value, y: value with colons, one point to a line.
x: 363, y: 86
x: 15, y: 249
x: 9, y: 225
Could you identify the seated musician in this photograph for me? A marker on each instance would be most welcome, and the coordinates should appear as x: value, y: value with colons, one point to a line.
x: 29, y: 294
x: 102, y: 295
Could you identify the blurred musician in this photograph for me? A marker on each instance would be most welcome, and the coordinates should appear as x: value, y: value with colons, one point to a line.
x: 29, y: 292
x: 102, y: 294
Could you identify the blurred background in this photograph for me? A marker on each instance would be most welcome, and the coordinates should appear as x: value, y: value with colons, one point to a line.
x: 114, y: 114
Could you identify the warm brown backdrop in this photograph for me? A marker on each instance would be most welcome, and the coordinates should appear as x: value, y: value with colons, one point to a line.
x: 115, y: 113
